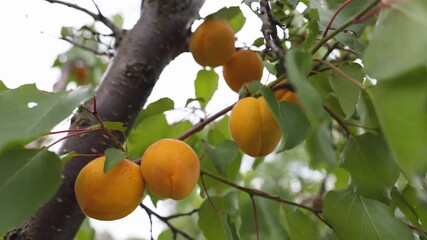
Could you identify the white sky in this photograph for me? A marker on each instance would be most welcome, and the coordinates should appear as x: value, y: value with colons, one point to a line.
x: 29, y: 44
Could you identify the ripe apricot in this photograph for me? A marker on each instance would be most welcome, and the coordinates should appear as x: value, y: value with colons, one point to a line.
x: 170, y: 168
x: 253, y: 127
x: 244, y: 66
x: 284, y: 94
x: 212, y: 44
x: 109, y: 196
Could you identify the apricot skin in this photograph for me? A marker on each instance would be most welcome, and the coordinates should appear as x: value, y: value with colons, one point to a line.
x: 109, y: 196
x: 284, y: 94
x: 170, y: 168
x: 253, y: 127
x: 212, y: 44
x: 244, y: 66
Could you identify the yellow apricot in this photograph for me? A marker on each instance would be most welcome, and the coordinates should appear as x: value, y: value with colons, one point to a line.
x: 253, y: 127
x: 244, y: 66
x: 170, y: 168
x: 284, y: 94
x: 212, y: 44
x: 109, y: 196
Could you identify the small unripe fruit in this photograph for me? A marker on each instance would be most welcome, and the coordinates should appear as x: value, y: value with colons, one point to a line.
x: 170, y: 168
x: 253, y: 127
x: 212, y: 44
x: 244, y: 66
x: 109, y: 196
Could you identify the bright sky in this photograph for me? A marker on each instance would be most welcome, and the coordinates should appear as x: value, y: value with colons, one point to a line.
x: 29, y: 45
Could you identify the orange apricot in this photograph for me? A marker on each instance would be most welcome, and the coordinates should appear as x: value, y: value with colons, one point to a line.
x: 286, y: 95
x: 212, y: 44
x: 244, y: 66
x: 253, y: 127
x: 170, y: 168
x: 112, y: 195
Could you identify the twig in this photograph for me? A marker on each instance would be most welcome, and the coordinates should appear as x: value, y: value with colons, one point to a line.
x: 255, y: 215
x: 94, y: 51
x: 107, y: 131
x: 74, y: 135
x: 166, y: 221
x: 255, y: 192
x: 342, y: 27
x: 117, y: 32
x: 199, y: 126
x: 340, y: 121
x: 335, y: 15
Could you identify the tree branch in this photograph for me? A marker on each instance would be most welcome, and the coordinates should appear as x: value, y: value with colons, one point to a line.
x: 156, y: 39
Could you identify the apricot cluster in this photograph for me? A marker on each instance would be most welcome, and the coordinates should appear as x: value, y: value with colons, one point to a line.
x: 169, y: 169
x: 212, y: 45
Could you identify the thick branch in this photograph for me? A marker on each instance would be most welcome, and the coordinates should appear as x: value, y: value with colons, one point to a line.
x: 157, y: 38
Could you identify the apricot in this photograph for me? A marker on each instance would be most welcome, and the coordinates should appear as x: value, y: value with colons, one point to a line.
x: 244, y: 66
x: 170, y: 168
x: 212, y: 44
x: 109, y: 196
x: 253, y: 127
x: 284, y: 94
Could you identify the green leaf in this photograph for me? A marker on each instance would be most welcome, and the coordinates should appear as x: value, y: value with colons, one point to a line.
x: 222, y: 155
x: 298, y: 64
x: 112, y: 157
x: 86, y: 231
x: 351, y: 41
x: 258, y: 42
x: 3, y: 87
x: 312, y: 34
x: 205, y: 85
x: 407, y: 204
x: 401, y: 106
x: 27, y: 113
x: 319, y: 145
x: 326, y: 11
x: 250, y: 89
x: 293, y: 123
x: 371, y: 165
x: 233, y: 15
x: 213, y: 221
x: 28, y: 178
x: 354, y: 217
x: 67, y: 32
x: 388, y: 54
x: 347, y: 92
x: 160, y: 106
x: 116, y: 126
x: 65, y: 158
x: 298, y: 225
x: 147, y: 132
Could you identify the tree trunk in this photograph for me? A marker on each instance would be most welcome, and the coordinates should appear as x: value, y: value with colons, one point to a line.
x: 159, y: 36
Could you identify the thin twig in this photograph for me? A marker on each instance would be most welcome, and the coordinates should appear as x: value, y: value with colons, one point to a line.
x: 342, y: 27
x: 118, y: 32
x: 107, y: 131
x: 255, y: 215
x: 166, y: 221
x: 94, y: 51
x: 335, y: 15
x: 255, y: 192
x: 340, y: 121
x: 199, y: 126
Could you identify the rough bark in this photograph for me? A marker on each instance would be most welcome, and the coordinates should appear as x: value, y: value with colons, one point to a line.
x: 159, y: 36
